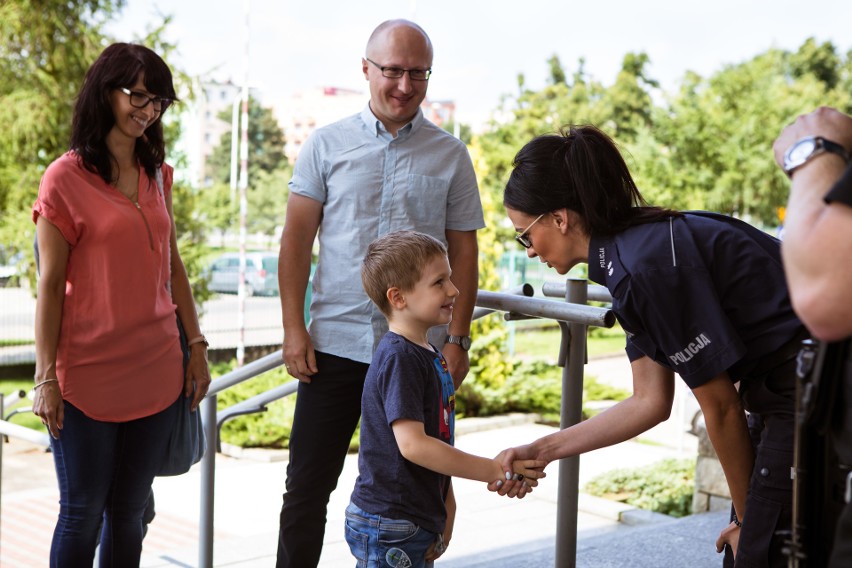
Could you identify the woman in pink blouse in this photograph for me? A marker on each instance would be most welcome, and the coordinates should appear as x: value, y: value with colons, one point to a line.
x: 109, y: 366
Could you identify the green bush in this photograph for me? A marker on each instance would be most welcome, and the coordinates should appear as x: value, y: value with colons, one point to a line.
x: 663, y: 487
x: 270, y: 429
x: 534, y: 386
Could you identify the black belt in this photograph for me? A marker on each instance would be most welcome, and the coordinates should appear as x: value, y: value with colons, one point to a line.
x: 781, y: 355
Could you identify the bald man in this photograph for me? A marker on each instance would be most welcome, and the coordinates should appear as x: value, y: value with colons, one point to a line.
x: 384, y: 169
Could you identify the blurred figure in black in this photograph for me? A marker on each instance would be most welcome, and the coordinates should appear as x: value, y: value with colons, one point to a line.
x: 817, y: 251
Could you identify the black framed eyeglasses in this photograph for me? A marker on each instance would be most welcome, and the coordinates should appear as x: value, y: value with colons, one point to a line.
x: 398, y: 72
x: 141, y: 100
x: 523, y: 237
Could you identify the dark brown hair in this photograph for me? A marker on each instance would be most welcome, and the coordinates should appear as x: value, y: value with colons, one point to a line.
x: 580, y: 169
x: 119, y: 65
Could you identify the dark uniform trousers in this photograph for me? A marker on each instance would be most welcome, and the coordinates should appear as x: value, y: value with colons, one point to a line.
x: 841, y: 554
x: 770, y: 400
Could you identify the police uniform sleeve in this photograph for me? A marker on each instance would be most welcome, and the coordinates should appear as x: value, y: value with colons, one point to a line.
x: 680, y: 323
x: 842, y: 190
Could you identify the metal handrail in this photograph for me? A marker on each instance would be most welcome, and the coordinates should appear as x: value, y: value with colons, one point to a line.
x: 573, y: 317
x: 541, y: 308
x: 596, y: 293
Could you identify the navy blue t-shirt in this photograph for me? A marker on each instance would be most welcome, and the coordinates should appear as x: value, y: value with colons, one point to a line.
x: 700, y: 294
x: 404, y: 381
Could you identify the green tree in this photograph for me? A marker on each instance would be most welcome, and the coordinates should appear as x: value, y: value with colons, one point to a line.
x: 627, y: 103
x: 267, y: 203
x: 46, y: 46
x: 217, y: 210
x: 265, y: 141
x: 714, y: 138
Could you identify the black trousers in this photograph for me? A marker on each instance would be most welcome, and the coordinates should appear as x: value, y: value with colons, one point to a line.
x: 770, y: 401
x: 841, y: 553
x: 327, y: 412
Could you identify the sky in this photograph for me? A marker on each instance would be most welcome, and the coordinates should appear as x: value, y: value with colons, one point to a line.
x: 480, y: 45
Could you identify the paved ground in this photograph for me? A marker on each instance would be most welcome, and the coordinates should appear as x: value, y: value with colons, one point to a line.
x: 490, y: 531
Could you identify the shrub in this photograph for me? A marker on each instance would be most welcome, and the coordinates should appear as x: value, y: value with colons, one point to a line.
x: 270, y: 429
x: 663, y: 487
x: 534, y: 386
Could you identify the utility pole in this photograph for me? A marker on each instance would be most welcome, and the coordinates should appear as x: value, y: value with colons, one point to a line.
x: 241, y: 291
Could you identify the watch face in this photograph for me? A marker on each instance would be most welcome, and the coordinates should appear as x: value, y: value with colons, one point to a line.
x: 800, y: 152
x: 461, y: 340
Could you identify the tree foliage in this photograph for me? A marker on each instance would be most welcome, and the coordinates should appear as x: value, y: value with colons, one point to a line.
x: 46, y: 46
x: 265, y: 141
x: 269, y: 173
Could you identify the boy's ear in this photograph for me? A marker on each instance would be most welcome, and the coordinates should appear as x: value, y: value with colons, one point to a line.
x: 396, y: 299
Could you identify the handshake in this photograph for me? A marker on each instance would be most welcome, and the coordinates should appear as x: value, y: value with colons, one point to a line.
x: 521, y: 473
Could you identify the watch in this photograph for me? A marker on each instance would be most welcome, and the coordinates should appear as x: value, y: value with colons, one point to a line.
x: 803, y: 150
x: 462, y: 341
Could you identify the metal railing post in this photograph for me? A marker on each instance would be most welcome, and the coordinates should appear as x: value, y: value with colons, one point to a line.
x: 572, y: 359
x: 208, y: 483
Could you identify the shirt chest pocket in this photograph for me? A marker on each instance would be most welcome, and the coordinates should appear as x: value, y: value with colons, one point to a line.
x: 423, y: 200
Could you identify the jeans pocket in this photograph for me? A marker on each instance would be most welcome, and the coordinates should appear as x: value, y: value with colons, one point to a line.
x: 356, y: 537
x: 403, y: 544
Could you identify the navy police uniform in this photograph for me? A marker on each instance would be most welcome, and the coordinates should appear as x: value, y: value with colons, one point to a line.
x: 703, y: 294
x: 841, y: 555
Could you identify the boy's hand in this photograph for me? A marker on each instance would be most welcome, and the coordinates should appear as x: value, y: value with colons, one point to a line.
x: 437, y: 548
x: 529, y: 471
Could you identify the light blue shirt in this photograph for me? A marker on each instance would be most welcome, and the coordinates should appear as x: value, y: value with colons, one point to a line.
x: 370, y: 184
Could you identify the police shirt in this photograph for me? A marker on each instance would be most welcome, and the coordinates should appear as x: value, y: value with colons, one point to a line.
x: 842, y: 190
x: 700, y: 294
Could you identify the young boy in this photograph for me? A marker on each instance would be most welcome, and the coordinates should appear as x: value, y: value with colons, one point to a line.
x: 402, y: 508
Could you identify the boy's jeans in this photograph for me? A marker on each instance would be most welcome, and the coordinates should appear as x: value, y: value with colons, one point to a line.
x: 379, y: 542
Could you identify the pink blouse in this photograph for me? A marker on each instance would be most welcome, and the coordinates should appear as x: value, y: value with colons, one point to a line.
x: 118, y: 356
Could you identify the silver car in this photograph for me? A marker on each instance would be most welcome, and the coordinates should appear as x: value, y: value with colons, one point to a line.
x: 261, y: 273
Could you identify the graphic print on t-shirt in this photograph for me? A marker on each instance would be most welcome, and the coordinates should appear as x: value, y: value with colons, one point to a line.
x: 447, y: 423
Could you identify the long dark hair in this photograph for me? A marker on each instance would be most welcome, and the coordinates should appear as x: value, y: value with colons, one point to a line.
x: 118, y: 66
x: 580, y: 169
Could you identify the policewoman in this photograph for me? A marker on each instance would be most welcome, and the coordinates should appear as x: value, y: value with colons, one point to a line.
x: 698, y: 294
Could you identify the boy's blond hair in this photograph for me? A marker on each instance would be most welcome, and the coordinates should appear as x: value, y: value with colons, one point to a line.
x: 397, y: 260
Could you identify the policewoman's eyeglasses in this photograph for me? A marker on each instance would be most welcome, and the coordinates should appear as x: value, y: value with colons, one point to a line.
x: 523, y: 237
x: 141, y: 100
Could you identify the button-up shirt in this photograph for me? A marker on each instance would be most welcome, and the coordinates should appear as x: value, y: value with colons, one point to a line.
x: 371, y: 183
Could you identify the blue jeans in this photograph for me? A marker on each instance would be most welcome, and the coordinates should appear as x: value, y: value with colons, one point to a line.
x: 379, y: 542
x: 105, y: 471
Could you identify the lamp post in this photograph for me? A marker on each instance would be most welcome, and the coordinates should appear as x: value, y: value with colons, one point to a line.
x: 243, y: 186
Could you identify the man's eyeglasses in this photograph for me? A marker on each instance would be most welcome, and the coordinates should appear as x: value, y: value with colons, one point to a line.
x: 141, y: 100
x: 523, y: 237
x: 398, y: 72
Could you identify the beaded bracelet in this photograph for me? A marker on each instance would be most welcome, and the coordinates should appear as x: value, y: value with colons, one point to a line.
x: 736, y: 521
x: 45, y: 381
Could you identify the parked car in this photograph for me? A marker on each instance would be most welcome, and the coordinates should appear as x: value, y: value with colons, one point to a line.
x: 261, y: 273
x: 10, y: 268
